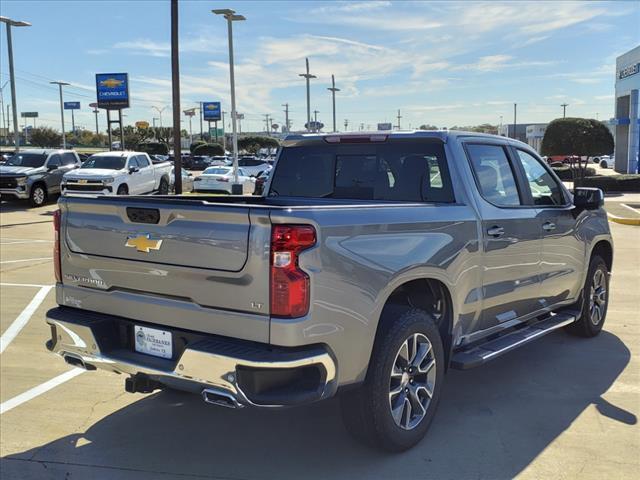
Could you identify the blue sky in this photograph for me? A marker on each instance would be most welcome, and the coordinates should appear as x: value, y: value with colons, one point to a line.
x: 442, y: 63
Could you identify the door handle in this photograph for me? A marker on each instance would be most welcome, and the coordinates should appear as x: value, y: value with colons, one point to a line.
x: 548, y: 226
x: 495, y: 231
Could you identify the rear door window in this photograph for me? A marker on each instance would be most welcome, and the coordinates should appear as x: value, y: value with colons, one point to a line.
x: 494, y: 174
x: 414, y: 171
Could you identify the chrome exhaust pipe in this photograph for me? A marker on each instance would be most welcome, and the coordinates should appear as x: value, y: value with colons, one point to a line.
x: 221, y: 398
x: 77, y: 361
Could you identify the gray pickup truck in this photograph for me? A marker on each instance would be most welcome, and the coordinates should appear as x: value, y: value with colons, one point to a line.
x: 371, y: 265
x: 35, y: 175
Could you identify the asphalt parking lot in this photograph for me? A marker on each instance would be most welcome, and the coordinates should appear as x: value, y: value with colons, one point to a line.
x: 561, y: 407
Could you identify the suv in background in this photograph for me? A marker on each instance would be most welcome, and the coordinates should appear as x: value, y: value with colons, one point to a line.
x: 36, y: 174
x: 254, y: 166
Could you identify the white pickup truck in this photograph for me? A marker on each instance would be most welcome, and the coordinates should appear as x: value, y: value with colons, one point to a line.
x: 119, y: 173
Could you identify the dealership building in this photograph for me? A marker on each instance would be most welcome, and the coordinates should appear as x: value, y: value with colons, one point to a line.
x: 627, y: 117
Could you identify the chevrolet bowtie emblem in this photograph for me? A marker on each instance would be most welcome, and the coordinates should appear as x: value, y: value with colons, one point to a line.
x: 143, y: 243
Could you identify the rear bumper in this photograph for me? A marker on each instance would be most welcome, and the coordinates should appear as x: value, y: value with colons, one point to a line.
x: 19, y: 192
x: 250, y: 373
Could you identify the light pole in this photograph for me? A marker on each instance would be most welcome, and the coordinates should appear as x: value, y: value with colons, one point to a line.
x: 286, y: 117
x: 60, y: 85
x: 230, y: 16
x: 224, y: 134
x: 14, y: 105
x: 159, y: 110
x: 564, y: 109
x: 308, y: 77
x: 333, y: 91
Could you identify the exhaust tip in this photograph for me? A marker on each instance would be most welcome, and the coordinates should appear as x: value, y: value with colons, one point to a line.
x: 220, y: 398
x: 77, y: 362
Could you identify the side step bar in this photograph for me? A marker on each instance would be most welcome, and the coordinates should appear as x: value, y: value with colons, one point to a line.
x: 483, y: 353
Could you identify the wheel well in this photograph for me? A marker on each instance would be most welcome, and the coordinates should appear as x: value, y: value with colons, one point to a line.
x: 429, y: 295
x: 123, y: 185
x: 39, y: 183
x: 604, y: 250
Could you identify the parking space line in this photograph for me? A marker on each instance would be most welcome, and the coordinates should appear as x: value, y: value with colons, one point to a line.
x: 39, y: 390
x: 26, y: 260
x: 19, y: 323
x: 634, y: 210
x: 16, y: 242
x: 21, y: 285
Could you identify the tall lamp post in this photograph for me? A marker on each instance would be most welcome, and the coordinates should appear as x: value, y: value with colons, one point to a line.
x: 230, y: 16
x: 60, y: 85
x: 159, y: 110
x: 333, y: 91
x: 308, y: 77
x: 14, y: 106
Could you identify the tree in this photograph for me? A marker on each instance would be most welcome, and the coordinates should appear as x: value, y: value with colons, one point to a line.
x: 45, y: 137
x: 196, y: 144
x: 153, y: 148
x: 578, y: 139
x: 253, y: 144
x: 427, y: 127
x: 209, y: 149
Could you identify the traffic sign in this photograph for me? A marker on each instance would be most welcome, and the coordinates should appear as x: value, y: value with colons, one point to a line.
x: 72, y: 105
x: 29, y: 114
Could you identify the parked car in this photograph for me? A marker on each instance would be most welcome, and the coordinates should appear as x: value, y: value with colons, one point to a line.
x: 605, y: 161
x: 561, y: 159
x: 187, y: 180
x: 36, y: 174
x: 260, y: 182
x: 118, y: 173
x: 372, y: 265
x: 198, y: 162
x: 220, y: 179
x: 253, y: 166
x: 219, y: 160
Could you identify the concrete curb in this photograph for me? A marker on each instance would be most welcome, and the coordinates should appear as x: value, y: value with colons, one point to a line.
x: 624, y: 221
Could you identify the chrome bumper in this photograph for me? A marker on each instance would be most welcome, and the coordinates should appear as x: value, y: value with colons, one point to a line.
x: 22, y: 194
x: 202, y: 367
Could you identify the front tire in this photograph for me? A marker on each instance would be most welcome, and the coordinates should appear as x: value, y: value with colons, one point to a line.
x: 394, y: 407
x: 595, y: 300
x: 164, y: 187
x: 38, y: 195
x: 603, y: 164
x: 123, y: 190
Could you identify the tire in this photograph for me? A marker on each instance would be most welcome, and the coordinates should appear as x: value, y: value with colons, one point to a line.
x: 603, y: 164
x: 367, y: 410
x: 164, y: 187
x: 595, y: 300
x: 123, y: 190
x: 38, y: 195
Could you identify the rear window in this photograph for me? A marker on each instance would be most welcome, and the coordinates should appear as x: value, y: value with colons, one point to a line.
x: 108, y: 162
x: 216, y: 171
x: 397, y: 171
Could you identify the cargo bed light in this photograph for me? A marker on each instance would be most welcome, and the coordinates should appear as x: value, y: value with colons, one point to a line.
x: 355, y: 138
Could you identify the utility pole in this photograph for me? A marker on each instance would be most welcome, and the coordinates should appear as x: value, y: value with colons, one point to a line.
x: 60, y: 85
x: 14, y: 104
x: 230, y: 16
x: 286, y: 116
x: 564, y: 110
x: 315, y: 120
x: 201, y: 117
x: 308, y: 77
x: 266, y: 124
x: 515, y: 115
x: 3, y: 118
x: 399, y: 117
x: 333, y: 91
x: 346, y: 124
x: 160, y: 110
x: 95, y: 112
x: 224, y: 134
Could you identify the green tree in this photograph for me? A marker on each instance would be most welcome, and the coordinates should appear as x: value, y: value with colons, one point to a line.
x: 252, y: 144
x: 208, y: 149
x: 578, y: 139
x: 153, y: 148
x: 45, y: 137
x: 196, y: 144
x: 426, y: 126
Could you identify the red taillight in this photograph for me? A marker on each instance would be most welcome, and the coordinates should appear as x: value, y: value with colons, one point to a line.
x: 56, y: 246
x: 289, y: 284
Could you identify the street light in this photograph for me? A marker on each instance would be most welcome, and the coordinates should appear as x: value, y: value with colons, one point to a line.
x: 308, y: 77
x: 160, y: 110
x: 60, y: 85
x: 230, y: 16
x: 14, y: 106
x: 333, y: 91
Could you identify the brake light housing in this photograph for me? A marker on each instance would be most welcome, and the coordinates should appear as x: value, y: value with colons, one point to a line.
x: 290, y: 290
x: 57, y: 269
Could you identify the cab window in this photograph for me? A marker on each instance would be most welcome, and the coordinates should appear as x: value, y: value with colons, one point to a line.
x: 545, y: 189
x: 54, y: 160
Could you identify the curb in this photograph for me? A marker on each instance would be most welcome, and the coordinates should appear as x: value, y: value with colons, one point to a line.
x: 624, y: 221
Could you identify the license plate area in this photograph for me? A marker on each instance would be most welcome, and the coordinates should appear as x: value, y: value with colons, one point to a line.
x: 153, y: 341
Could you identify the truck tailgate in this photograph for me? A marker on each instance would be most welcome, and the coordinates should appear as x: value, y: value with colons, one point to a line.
x: 186, y: 264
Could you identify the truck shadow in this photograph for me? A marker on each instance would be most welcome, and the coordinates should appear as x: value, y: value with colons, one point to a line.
x: 492, y: 423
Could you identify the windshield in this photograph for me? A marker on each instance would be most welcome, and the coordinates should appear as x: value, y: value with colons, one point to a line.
x: 414, y: 171
x: 216, y: 171
x: 99, y: 161
x: 32, y: 160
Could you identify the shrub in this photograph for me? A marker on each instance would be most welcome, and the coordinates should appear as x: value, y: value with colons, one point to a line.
x: 196, y: 144
x: 154, y: 148
x: 614, y: 183
x: 565, y: 173
x: 208, y: 149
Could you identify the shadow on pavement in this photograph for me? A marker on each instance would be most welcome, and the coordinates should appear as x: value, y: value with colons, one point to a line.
x: 492, y: 422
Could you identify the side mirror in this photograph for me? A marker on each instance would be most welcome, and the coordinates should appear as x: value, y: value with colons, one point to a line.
x: 133, y: 170
x: 588, y: 198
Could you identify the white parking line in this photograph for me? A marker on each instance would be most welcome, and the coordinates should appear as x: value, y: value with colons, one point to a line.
x: 19, y: 323
x: 21, y: 285
x: 26, y: 260
x: 25, y: 241
x: 39, y: 390
x: 635, y: 210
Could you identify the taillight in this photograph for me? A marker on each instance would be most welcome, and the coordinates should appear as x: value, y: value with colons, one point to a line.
x: 289, y: 284
x: 56, y: 246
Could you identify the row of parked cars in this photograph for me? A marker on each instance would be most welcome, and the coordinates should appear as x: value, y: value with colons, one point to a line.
x: 36, y: 175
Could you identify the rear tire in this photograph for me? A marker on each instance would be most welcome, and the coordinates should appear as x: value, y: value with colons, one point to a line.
x: 603, y: 164
x: 123, y: 190
x: 595, y: 300
x: 394, y: 407
x: 164, y: 187
x: 38, y: 195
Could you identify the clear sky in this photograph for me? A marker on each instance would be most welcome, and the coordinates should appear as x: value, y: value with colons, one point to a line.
x: 441, y: 63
